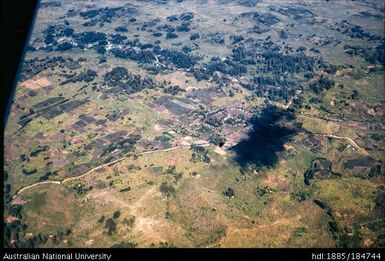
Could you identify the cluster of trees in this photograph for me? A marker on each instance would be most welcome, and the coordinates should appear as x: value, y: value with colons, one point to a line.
x: 199, y: 154
x: 276, y: 94
x: 110, y: 223
x: 29, y: 172
x: 246, y: 3
x: 355, y: 95
x: 184, y: 27
x: 271, y: 61
x: 87, y: 76
x: 355, y: 31
x: 129, y: 221
x: 349, y: 236
x: 328, y: 68
x: 149, y: 53
x: 121, y: 29
x: 200, y: 74
x: 300, y: 196
x: 216, y: 38
x: 116, y: 76
x: 116, y: 214
x: 129, y: 83
x: 64, y: 46
x: 110, y: 226
x: 194, y: 36
x: 273, y: 88
x: 177, y: 58
x: 171, y: 35
x: 104, y: 12
x: 323, y: 83
x: 164, y: 140
x: 376, y: 55
x: 125, y: 189
x: 157, y: 34
x: 104, y: 15
x: 261, y: 18
x: 354, y: 50
x: 239, y: 53
x: 117, y: 38
x: 166, y: 28
x: 319, y: 167
x: 58, y: 237
x: 98, y: 39
x: 146, y: 53
x: 262, y: 191
x: 187, y: 16
x: 171, y: 171
x: 273, y: 81
x: 296, y: 12
x: 149, y: 24
x: 47, y: 175
x: 81, y: 189
x: 14, y: 231
x: 34, y: 66
x: 173, y: 90
x: 38, y: 150
x: 213, y: 121
x: 314, y: 50
x: 277, y: 63
x: 54, y: 31
x: 85, y: 38
x: 167, y: 189
x: 228, y: 67
x: 171, y: 30
x: 172, y: 18
x: 257, y: 29
x: 141, y: 56
x: 217, y: 140
x: 376, y: 170
x: 229, y: 193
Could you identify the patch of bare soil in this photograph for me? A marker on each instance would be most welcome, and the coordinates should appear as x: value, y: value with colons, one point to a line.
x: 37, y: 83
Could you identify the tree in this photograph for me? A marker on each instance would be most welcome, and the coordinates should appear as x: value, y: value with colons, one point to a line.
x: 116, y: 214
x: 194, y: 36
x: 171, y: 35
x: 101, y: 219
x: 166, y: 189
x: 355, y: 95
x: 129, y: 221
x: 229, y: 193
x: 110, y: 226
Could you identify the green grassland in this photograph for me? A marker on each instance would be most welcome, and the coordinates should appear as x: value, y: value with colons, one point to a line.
x: 199, y: 214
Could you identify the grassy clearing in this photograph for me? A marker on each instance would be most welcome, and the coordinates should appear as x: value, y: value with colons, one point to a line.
x: 347, y: 195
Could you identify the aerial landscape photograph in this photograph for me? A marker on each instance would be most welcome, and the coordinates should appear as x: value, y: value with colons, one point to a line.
x: 198, y: 124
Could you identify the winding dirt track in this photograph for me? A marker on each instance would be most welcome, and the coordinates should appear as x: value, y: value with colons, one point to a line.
x: 21, y: 190
x: 350, y: 140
